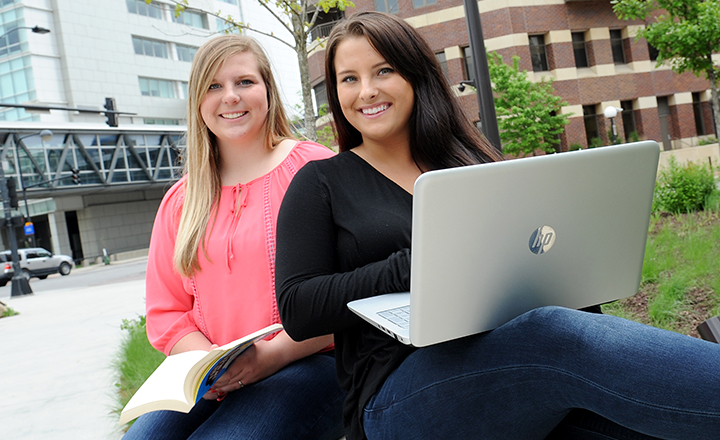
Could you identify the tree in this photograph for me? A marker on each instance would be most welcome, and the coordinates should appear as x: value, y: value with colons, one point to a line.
x: 299, y: 17
x: 685, y: 32
x: 529, y: 115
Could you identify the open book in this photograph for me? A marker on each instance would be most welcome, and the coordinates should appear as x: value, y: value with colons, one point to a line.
x: 183, y: 379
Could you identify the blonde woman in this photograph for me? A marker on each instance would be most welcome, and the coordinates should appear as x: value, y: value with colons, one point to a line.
x: 210, y: 274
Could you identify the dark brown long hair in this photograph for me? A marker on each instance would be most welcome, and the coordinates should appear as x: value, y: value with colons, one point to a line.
x: 441, y: 136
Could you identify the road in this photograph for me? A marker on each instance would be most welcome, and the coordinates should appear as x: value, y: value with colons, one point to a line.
x: 96, y: 275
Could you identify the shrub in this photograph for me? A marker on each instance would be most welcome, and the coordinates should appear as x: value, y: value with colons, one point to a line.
x: 574, y: 146
x: 595, y: 142
x: 618, y: 139
x: 709, y: 141
x: 683, y: 189
x: 633, y: 136
x: 326, y: 136
x: 713, y: 202
x: 8, y: 311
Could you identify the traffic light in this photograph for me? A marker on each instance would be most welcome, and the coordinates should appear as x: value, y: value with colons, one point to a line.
x: 76, y: 176
x: 112, y: 118
x: 12, y: 192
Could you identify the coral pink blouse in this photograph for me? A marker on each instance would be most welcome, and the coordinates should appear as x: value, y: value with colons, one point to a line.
x: 233, y: 294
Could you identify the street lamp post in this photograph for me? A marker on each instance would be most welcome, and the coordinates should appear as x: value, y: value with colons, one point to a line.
x: 45, y: 135
x: 33, y: 29
x: 610, y: 113
x: 486, y: 102
x: 20, y: 285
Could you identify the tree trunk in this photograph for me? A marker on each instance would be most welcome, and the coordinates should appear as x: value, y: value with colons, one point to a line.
x: 300, y: 35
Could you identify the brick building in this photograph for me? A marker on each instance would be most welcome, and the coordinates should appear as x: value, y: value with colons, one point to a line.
x: 592, y: 56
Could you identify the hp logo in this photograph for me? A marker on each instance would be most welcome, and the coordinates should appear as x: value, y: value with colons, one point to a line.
x: 542, y: 239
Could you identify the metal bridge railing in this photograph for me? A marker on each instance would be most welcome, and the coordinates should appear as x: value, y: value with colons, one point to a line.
x: 104, y: 159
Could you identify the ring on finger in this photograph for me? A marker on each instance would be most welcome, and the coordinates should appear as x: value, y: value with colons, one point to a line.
x: 241, y: 384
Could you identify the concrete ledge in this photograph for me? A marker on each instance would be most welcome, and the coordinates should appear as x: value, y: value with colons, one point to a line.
x: 705, y: 154
x: 120, y: 256
x: 129, y: 255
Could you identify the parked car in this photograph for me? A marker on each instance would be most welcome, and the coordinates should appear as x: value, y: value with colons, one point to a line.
x: 35, y: 262
x: 5, y: 276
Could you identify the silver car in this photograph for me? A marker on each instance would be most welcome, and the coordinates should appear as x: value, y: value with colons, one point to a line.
x: 36, y: 262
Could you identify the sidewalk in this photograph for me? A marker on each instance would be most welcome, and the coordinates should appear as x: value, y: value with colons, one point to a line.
x: 56, y: 379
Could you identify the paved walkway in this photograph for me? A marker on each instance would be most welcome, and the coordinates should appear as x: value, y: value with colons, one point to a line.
x: 56, y: 379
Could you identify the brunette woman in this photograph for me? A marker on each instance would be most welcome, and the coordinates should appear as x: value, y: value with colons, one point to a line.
x: 344, y: 234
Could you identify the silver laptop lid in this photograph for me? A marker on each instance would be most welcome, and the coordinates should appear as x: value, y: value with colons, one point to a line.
x: 495, y: 240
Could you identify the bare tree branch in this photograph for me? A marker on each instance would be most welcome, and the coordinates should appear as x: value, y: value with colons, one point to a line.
x: 182, y: 4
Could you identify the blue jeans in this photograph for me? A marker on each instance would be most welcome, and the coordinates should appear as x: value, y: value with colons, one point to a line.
x: 301, y: 401
x: 522, y: 379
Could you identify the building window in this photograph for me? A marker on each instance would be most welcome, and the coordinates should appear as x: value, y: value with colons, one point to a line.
x: 157, y: 87
x: 186, y: 53
x: 16, y: 86
x: 152, y: 48
x: 628, y: 118
x: 442, y: 60
x: 468, y: 64
x: 320, y: 97
x: 653, y: 52
x: 537, y: 53
x: 4, y: 3
x: 192, y: 18
x: 697, y: 110
x: 183, y: 90
x: 10, y: 42
x: 161, y: 121
x: 225, y: 26
x: 324, y: 22
x: 592, y: 127
x: 616, y: 42
x: 153, y: 10
x: 580, y: 49
x: 421, y: 3
x: 558, y: 145
x: 232, y: 2
x: 389, y: 6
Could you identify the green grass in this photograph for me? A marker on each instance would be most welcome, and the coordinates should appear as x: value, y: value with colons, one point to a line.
x: 8, y: 312
x: 135, y: 361
x: 680, y: 285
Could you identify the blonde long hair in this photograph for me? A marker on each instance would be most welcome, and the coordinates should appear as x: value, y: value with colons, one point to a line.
x: 202, y: 163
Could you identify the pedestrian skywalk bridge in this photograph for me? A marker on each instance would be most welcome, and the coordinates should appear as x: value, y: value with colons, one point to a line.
x: 80, y: 159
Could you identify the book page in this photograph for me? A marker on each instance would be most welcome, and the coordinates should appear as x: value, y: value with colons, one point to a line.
x: 165, y: 388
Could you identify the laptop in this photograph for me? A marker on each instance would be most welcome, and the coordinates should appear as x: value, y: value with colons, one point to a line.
x: 493, y: 241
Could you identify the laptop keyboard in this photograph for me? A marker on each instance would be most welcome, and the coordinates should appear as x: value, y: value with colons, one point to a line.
x: 399, y: 316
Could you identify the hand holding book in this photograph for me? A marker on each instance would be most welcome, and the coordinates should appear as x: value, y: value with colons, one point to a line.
x: 184, y: 378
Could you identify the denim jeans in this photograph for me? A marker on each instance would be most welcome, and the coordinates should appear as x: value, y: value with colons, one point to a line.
x: 301, y: 401
x: 521, y: 380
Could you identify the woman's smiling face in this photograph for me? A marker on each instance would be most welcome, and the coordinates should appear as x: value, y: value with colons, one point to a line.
x: 235, y: 106
x: 374, y: 98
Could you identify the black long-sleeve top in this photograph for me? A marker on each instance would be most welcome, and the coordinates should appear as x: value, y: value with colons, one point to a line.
x: 343, y: 234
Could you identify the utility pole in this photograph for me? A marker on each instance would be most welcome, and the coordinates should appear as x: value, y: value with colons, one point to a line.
x: 20, y: 285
